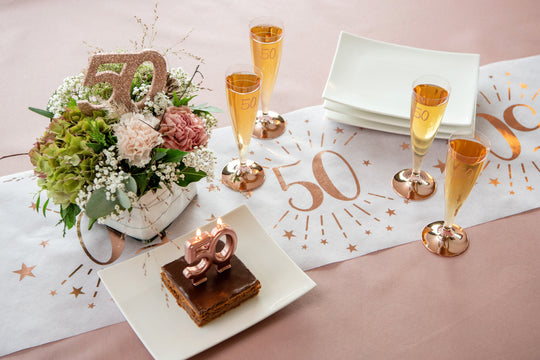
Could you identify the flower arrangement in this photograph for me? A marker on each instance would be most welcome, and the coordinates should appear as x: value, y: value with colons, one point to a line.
x: 102, y: 163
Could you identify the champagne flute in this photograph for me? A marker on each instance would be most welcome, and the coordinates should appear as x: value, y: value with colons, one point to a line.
x: 243, y: 83
x: 464, y: 161
x: 266, y: 39
x: 429, y: 99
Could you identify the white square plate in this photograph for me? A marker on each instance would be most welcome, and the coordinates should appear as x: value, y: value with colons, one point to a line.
x: 165, y: 328
x: 376, y: 76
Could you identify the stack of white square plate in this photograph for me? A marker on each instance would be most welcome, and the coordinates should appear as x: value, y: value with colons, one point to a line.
x: 370, y: 85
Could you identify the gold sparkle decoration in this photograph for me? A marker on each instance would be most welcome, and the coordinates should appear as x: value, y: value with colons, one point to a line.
x: 33, y: 206
x: 494, y: 181
x: 512, y: 192
x: 441, y: 166
x: 389, y: 228
x: 304, y: 247
x: 523, y: 86
x: 77, y: 291
x: 53, y: 293
x: 338, y: 130
x: 368, y: 232
x: 25, y: 271
x: 289, y: 234
x: 391, y: 212
x: 91, y: 306
x: 530, y: 188
x: 44, y: 243
x: 367, y: 163
x: 324, y: 242
x: 404, y: 146
x: 352, y: 248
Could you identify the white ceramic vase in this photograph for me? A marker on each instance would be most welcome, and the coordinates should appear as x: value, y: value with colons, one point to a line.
x: 154, y: 212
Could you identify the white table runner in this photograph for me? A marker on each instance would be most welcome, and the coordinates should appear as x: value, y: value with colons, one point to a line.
x: 327, y: 197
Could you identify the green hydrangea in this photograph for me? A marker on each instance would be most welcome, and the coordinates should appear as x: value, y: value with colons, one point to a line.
x: 65, y: 157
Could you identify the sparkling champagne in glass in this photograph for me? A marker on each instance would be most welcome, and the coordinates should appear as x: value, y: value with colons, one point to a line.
x: 266, y: 39
x: 465, y: 159
x: 429, y: 99
x: 243, y: 83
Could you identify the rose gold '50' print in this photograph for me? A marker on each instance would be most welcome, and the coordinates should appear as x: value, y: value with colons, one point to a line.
x: 323, y: 182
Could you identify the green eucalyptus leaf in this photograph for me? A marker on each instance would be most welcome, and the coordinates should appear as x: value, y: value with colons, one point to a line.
x: 98, y: 205
x: 130, y: 184
x: 41, y: 112
x: 123, y: 199
x: 91, y: 223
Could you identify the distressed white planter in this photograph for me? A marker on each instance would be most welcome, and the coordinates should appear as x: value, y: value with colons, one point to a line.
x: 154, y: 212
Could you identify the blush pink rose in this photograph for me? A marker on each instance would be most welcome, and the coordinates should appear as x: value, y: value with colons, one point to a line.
x: 181, y: 129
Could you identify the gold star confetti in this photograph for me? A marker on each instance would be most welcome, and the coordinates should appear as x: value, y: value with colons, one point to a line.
x: 389, y: 228
x: 91, y: 306
x: 440, y: 165
x: 338, y: 130
x: 512, y: 192
x: 367, y: 163
x: 324, y: 242
x: 306, y: 121
x: 44, y: 243
x: 77, y: 291
x: 33, y: 206
x: 368, y: 232
x: 25, y: 271
x: 351, y: 248
x: 53, y: 293
x: 404, y: 146
x: 494, y: 181
x: 252, y: 152
x: 406, y: 201
x: 523, y: 86
x: 212, y: 218
x: 530, y: 188
x: 304, y: 247
x: 288, y: 234
x: 391, y: 212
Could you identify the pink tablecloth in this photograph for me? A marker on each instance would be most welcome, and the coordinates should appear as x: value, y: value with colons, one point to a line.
x: 399, y: 303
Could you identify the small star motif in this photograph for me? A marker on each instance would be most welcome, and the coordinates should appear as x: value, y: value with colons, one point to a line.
x: 304, y: 247
x: 91, y: 306
x: 338, y: 130
x: 33, y: 206
x: 212, y: 218
x: 306, y: 121
x: 530, y: 188
x: 252, y: 152
x: 324, y: 242
x: 494, y: 181
x: 406, y: 201
x: 351, y: 248
x: 512, y: 192
x: 288, y: 234
x: 44, y: 243
x: 440, y: 165
x: 389, y: 228
x: 523, y: 86
x: 77, y: 291
x: 507, y: 74
x: 404, y: 146
x: 368, y: 232
x: 25, y: 271
x: 53, y: 293
x: 367, y: 163
x: 212, y: 188
x: 391, y: 212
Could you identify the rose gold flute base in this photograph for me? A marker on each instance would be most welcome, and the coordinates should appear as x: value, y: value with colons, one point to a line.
x: 268, y: 126
x: 247, y: 179
x: 441, y: 244
x: 418, y: 189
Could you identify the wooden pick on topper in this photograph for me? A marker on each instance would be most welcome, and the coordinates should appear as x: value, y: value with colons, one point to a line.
x: 121, y: 82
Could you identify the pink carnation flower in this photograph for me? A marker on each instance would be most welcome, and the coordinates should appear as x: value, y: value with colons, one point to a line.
x: 182, y: 130
x: 136, y: 139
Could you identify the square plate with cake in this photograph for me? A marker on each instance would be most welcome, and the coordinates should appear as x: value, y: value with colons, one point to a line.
x: 165, y: 328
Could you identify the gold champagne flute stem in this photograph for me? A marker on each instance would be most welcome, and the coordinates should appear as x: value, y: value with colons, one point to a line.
x: 417, y: 164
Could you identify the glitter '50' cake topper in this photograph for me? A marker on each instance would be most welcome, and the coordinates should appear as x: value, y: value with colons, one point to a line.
x: 121, y: 83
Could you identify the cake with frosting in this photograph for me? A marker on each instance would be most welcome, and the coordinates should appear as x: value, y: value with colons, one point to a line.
x: 207, y: 283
